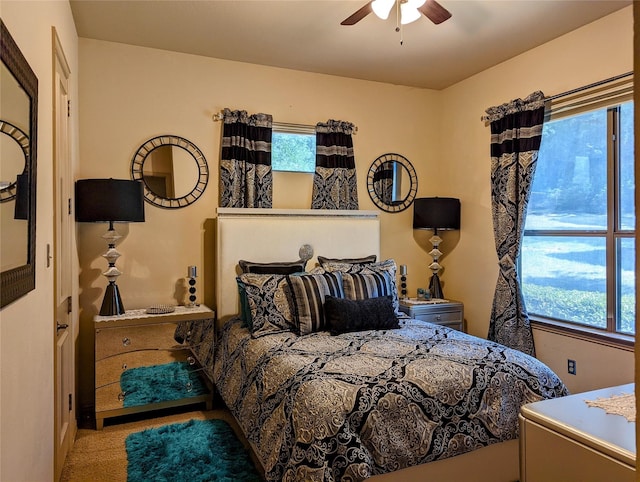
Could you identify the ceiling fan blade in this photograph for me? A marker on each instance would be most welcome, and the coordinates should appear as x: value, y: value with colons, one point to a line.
x: 434, y: 11
x: 358, y: 15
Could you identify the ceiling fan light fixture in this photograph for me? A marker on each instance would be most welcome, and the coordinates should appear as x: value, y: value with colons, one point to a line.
x: 408, y: 13
x: 382, y: 8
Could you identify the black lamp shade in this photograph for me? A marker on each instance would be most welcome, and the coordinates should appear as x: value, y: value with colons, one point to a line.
x: 106, y: 200
x: 436, y: 213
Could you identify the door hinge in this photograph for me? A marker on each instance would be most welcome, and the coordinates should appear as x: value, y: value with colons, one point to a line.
x: 70, y: 402
x: 69, y: 108
x: 69, y: 304
x: 69, y: 206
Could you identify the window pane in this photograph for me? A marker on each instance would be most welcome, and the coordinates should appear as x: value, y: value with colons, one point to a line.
x: 565, y: 278
x: 569, y: 188
x: 626, y: 285
x: 627, y: 185
x: 293, y: 152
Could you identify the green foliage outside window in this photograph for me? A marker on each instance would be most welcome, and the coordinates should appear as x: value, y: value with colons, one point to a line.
x: 293, y: 152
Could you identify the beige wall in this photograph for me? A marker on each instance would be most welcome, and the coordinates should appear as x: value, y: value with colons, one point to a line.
x: 26, y: 325
x: 130, y: 94
x: 592, y: 53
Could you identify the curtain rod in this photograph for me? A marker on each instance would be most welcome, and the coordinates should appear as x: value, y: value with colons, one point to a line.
x: 218, y: 117
x: 580, y: 89
x: 590, y: 86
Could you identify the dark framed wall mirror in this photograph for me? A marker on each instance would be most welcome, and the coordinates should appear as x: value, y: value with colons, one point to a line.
x: 18, y: 142
x: 392, y: 183
x: 173, y: 170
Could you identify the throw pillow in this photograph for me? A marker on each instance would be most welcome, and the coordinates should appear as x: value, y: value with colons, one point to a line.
x: 309, y: 291
x: 269, y: 300
x: 344, y: 316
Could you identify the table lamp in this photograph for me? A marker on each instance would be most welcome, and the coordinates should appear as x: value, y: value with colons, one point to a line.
x: 437, y: 213
x: 110, y: 200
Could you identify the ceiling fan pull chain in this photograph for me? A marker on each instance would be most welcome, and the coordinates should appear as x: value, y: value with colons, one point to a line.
x: 398, y: 21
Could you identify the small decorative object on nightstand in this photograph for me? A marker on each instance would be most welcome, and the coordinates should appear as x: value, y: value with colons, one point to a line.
x: 139, y: 366
x: 403, y: 281
x: 192, y: 274
x: 441, y: 312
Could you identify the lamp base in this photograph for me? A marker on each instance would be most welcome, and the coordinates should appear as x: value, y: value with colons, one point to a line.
x: 434, y: 287
x: 112, y: 302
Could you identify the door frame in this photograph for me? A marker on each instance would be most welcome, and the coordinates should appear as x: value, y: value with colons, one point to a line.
x: 64, y: 373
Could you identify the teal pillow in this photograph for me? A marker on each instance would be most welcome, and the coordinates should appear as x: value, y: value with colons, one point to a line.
x: 245, y: 309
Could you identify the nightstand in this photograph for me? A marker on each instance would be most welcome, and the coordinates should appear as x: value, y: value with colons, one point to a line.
x: 448, y: 313
x: 139, y: 366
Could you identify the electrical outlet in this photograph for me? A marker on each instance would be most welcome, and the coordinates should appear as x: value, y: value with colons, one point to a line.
x: 571, y: 367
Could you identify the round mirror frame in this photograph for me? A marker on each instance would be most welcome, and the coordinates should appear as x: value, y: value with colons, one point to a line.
x: 8, y: 193
x: 137, y: 171
x: 398, y: 206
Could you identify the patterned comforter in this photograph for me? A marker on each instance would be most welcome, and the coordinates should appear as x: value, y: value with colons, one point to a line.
x: 328, y: 408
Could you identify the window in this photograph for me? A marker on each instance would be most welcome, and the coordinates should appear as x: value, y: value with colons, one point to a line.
x: 293, y: 148
x: 577, y: 263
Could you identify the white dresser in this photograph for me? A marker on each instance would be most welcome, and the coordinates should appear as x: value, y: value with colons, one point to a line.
x: 566, y: 440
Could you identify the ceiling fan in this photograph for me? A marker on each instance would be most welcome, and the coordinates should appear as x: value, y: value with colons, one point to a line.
x: 409, y: 11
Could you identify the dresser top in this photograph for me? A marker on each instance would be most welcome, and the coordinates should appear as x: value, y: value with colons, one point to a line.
x: 592, y: 426
x: 181, y: 313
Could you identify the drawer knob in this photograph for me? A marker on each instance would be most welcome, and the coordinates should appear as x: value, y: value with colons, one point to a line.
x: 191, y: 360
x: 121, y: 396
x: 124, y: 366
x: 126, y: 341
x: 438, y: 317
x: 189, y: 386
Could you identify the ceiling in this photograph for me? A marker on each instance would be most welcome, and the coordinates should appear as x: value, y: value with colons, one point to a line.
x: 306, y: 34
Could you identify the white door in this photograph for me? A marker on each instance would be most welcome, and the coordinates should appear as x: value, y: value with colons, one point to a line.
x: 65, y: 324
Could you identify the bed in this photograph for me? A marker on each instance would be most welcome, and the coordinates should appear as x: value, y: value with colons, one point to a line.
x: 338, y: 401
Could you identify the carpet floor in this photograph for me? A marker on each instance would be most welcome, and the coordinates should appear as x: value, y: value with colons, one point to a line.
x: 101, y: 456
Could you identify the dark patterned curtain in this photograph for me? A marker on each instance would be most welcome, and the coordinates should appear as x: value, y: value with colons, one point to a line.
x: 516, y: 133
x: 246, y: 179
x: 334, y: 182
x: 383, y: 183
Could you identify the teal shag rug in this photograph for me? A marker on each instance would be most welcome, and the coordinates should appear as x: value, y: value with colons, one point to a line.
x: 195, y: 451
x: 160, y: 383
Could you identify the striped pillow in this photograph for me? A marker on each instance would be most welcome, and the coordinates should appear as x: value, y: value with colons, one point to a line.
x: 367, y: 287
x: 309, y: 291
x: 362, y: 286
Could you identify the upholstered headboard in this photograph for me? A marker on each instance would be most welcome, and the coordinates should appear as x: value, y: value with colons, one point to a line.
x: 267, y: 235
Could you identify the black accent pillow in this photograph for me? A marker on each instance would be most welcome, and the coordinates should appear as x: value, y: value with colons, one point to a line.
x: 284, y: 267
x: 366, y: 260
x: 344, y: 316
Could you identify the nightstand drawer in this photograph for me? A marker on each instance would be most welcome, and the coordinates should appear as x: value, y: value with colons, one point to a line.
x: 449, y: 314
x: 443, y: 318
x: 124, y: 339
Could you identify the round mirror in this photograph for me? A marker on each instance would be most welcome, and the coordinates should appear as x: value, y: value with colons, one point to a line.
x: 173, y: 170
x: 392, y: 183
